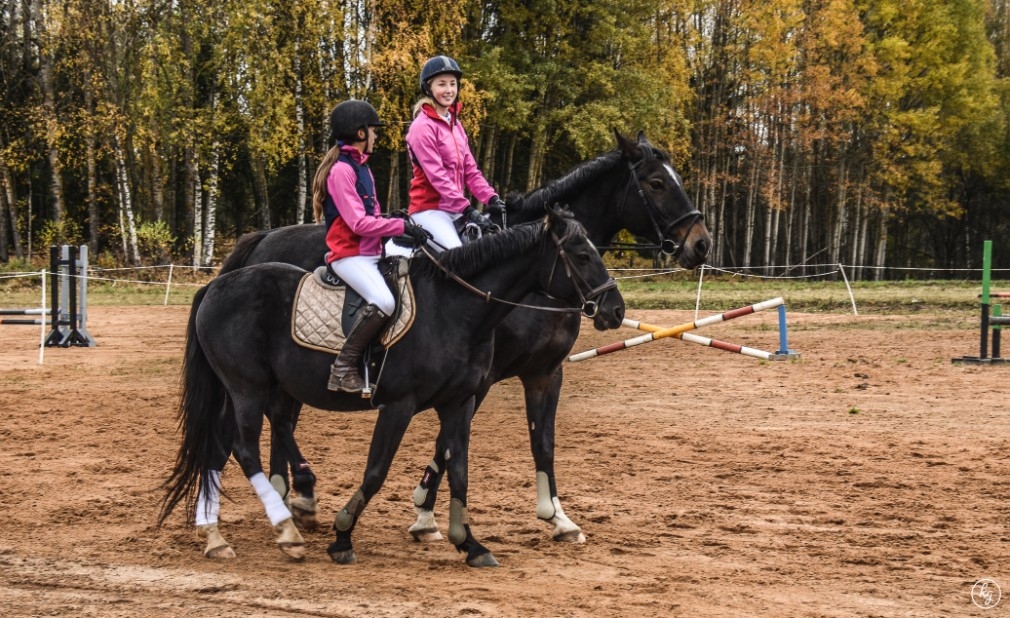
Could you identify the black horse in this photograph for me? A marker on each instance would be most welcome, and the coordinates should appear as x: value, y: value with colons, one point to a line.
x: 633, y: 187
x: 242, y: 363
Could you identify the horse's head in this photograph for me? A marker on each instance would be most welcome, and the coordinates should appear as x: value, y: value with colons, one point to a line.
x: 668, y: 214
x: 578, y: 273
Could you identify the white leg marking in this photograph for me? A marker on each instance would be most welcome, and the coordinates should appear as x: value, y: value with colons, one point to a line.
x: 564, y: 528
x: 425, y: 529
x: 272, y: 501
x: 208, y: 506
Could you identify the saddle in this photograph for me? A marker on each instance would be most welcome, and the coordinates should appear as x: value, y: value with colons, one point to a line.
x: 325, y: 308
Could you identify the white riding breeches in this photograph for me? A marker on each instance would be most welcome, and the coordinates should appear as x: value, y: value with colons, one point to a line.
x: 361, y: 272
x: 439, y: 224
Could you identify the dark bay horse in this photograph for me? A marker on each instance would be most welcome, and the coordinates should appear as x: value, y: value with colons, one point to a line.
x: 241, y: 364
x: 633, y: 187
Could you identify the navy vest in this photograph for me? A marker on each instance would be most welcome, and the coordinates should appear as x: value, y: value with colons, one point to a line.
x: 364, y: 185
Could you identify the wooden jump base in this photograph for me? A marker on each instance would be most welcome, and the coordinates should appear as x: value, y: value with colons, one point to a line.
x: 69, y: 318
x: 988, y: 321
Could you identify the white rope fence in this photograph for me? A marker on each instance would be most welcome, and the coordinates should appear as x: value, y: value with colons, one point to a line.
x: 93, y: 276
x: 821, y: 271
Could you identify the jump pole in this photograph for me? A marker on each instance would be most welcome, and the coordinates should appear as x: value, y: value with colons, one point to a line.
x: 705, y: 341
x: 674, y: 331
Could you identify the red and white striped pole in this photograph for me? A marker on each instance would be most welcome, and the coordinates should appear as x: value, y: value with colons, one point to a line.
x: 680, y: 330
x: 713, y: 343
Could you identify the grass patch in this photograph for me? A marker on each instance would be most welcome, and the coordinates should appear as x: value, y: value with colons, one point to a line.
x: 677, y: 290
x: 871, y: 297
x: 110, y: 288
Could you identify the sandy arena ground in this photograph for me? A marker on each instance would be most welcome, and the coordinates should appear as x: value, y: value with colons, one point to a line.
x: 869, y: 478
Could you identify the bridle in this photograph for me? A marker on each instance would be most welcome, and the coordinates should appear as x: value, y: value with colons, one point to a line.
x: 590, y: 305
x: 667, y: 245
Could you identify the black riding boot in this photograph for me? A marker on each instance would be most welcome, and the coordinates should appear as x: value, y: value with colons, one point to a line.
x: 344, y: 372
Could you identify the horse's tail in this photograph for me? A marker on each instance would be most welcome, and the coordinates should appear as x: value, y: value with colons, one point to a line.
x: 205, y: 421
x: 243, y: 249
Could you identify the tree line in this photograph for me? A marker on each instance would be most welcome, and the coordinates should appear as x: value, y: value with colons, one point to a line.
x: 866, y: 132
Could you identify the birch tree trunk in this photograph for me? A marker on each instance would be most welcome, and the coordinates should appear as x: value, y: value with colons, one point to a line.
x: 197, y: 217
x: 881, y: 253
x: 302, y: 207
x: 126, y: 207
x: 51, y: 122
x: 771, y: 239
x: 857, y: 226
x: 864, y: 230
x: 210, y: 217
x: 749, y: 220
x: 838, y: 231
x: 92, y: 167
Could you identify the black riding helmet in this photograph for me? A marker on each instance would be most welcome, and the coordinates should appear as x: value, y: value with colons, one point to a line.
x: 349, y: 116
x: 437, y: 66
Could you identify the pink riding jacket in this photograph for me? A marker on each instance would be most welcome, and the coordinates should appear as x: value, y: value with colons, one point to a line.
x: 443, y: 165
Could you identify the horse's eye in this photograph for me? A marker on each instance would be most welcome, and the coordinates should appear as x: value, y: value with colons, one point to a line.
x: 656, y: 185
x: 579, y: 255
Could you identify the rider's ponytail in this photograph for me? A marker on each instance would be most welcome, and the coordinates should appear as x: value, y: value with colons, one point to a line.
x: 319, y: 182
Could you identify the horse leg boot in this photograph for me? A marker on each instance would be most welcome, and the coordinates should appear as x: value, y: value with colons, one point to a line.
x: 344, y: 372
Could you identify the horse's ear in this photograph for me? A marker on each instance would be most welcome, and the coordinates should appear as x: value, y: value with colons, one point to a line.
x: 642, y: 140
x: 554, y: 212
x: 628, y: 148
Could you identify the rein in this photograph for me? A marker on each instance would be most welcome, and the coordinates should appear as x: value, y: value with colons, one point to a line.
x: 589, y: 305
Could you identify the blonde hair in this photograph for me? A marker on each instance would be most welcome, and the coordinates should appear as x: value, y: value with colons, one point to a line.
x: 319, y: 182
x: 420, y: 103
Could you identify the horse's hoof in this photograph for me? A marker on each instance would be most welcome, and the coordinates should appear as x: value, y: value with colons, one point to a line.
x: 295, y: 551
x: 289, y: 540
x: 344, y: 557
x: 428, y: 535
x: 570, y: 536
x: 221, y: 552
x: 304, y: 520
x: 483, y: 560
x: 217, y: 548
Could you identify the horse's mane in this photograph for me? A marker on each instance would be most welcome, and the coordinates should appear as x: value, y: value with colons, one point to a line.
x: 497, y: 248
x: 559, y: 190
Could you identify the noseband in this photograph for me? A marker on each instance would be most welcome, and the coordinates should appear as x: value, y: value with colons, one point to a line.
x: 666, y: 244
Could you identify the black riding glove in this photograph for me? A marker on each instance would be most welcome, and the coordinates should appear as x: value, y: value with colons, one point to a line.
x: 413, y: 235
x: 480, y: 220
x: 495, y: 205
